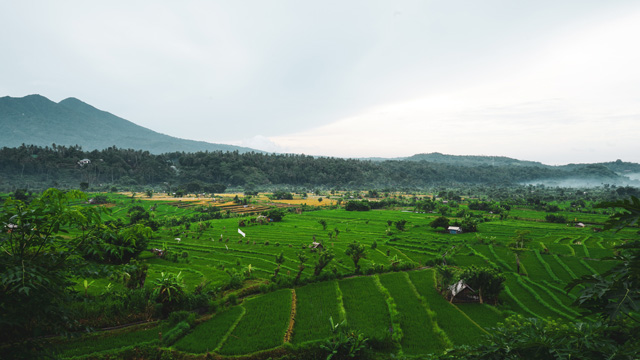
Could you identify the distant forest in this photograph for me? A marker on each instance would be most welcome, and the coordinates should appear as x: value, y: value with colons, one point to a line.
x: 37, y: 167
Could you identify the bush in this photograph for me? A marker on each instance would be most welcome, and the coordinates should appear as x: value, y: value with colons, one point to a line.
x: 180, y: 316
x: 355, y: 205
x: 557, y: 219
x: 232, y: 299
x: 175, y: 333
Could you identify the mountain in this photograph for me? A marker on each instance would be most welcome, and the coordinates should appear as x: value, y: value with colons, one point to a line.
x: 36, y: 120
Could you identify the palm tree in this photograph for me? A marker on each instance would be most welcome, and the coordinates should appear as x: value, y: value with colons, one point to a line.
x: 279, y: 261
x: 302, y: 257
x: 323, y: 260
x: 356, y: 251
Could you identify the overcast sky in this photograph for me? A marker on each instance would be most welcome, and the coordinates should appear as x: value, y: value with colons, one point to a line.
x: 545, y: 80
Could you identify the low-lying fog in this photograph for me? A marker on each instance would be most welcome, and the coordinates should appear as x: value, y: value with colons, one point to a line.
x: 624, y: 180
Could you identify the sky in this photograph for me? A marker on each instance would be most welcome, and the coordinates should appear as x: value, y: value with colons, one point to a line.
x: 550, y: 81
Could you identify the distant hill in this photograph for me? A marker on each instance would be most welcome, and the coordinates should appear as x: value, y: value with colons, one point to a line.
x: 471, y: 160
x: 36, y: 120
x: 597, y: 170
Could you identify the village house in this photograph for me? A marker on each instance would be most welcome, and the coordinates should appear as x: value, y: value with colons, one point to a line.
x: 84, y: 162
x: 454, y: 230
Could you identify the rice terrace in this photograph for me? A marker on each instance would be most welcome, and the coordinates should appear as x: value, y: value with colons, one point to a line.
x: 334, y: 274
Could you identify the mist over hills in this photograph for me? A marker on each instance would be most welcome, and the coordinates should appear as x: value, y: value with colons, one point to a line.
x: 36, y: 120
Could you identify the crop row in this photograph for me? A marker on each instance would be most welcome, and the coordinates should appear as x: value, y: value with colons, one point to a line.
x: 499, y: 259
x: 263, y: 326
x: 518, y: 303
x: 546, y: 266
x: 541, y: 301
x: 396, y: 329
x: 365, y: 307
x: 416, y: 321
x: 565, y: 267
x: 556, y: 300
x: 97, y: 342
x: 210, y: 334
x: 457, y: 327
x: 316, y: 303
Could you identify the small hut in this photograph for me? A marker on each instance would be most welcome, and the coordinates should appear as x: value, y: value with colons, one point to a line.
x: 316, y: 246
x: 461, y: 292
x: 454, y: 230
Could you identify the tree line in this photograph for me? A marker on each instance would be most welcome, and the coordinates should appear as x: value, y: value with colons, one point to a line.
x: 63, y: 166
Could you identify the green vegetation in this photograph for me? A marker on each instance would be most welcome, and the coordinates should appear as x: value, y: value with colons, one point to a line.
x: 207, y: 336
x: 170, y: 262
x: 263, y: 326
x: 366, y: 308
x: 180, y: 172
x: 418, y: 327
x: 316, y: 304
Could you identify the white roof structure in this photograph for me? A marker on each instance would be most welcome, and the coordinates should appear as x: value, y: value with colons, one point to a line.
x: 458, y: 287
x: 455, y: 228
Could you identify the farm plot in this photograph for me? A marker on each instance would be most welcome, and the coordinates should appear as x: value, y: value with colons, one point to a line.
x: 263, y: 326
x: 316, y: 303
x: 529, y: 300
x: 536, y: 268
x: 365, y: 307
x: 117, y: 339
x: 208, y: 335
x: 486, y: 316
x: 420, y: 333
x: 468, y: 259
x: 459, y: 328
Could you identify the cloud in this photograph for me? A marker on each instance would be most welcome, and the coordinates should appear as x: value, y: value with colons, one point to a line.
x: 552, y: 131
x: 573, y: 100
x: 347, y: 78
x: 260, y: 142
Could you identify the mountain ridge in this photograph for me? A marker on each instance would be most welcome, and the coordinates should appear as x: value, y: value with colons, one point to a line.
x: 36, y: 120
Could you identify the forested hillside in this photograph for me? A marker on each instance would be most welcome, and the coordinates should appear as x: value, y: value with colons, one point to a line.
x: 36, y: 120
x: 41, y: 167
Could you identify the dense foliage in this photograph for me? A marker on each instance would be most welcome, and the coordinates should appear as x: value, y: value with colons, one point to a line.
x: 516, y: 261
x: 41, y: 244
x: 60, y: 165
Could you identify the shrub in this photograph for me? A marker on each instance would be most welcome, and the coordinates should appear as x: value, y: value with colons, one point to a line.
x: 180, y: 316
x: 355, y: 205
x: 232, y: 299
x: 558, y: 219
x: 175, y: 333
